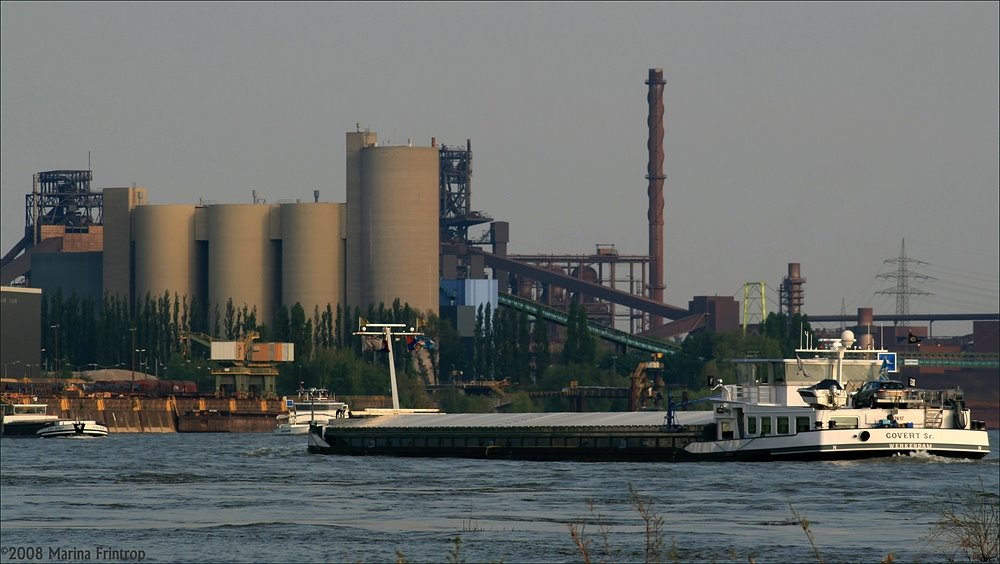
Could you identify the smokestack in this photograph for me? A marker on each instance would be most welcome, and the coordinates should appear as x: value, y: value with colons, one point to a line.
x: 654, y: 173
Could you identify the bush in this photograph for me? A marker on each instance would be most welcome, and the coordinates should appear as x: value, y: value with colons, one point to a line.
x: 970, y: 524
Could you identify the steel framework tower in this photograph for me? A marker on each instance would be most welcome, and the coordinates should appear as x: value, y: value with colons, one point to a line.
x: 753, y: 291
x: 903, y: 275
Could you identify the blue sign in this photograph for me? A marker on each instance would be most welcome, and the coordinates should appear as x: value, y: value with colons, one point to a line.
x: 889, y: 360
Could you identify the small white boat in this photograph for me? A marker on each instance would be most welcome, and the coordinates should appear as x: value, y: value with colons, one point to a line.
x: 23, y: 417
x: 73, y: 428
x: 828, y: 394
x: 314, y: 404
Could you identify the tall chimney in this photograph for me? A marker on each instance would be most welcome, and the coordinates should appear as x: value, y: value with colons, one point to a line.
x: 654, y: 173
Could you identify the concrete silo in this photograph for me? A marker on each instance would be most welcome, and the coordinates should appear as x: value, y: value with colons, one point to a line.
x: 165, y: 251
x: 399, y: 226
x: 312, y: 255
x: 242, y: 259
x: 356, y: 142
x: 117, y: 255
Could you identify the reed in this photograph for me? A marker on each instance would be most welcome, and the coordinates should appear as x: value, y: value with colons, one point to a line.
x: 969, y: 525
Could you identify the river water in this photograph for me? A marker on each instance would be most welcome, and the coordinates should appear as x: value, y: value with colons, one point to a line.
x: 263, y: 498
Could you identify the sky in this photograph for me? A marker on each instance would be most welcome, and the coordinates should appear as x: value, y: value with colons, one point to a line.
x: 819, y: 133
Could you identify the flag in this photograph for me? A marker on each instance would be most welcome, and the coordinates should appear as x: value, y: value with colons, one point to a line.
x: 415, y: 343
x: 912, y: 339
x: 362, y: 323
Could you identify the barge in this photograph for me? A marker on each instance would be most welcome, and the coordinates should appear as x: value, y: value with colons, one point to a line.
x: 780, y: 409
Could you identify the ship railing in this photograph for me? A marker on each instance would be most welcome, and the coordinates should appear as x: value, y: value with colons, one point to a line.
x: 747, y: 394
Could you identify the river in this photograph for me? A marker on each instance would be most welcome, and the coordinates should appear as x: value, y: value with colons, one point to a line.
x: 262, y: 498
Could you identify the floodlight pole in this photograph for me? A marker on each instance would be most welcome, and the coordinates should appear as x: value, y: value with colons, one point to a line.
x: 386, y: 331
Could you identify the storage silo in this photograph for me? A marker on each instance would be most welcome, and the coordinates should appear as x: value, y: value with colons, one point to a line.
x: 165, y: 251
x: 356, y: 143
x: 400, y: 237
x: 312, y: 255
x: 242, y: 259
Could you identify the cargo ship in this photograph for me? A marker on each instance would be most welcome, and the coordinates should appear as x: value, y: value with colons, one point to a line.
x: 780, y: 409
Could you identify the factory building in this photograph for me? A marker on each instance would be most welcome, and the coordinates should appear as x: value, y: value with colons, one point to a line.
x: 379, y: 246
x: 402, y: 234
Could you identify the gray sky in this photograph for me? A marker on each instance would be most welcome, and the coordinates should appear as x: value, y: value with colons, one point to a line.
x: 815, y: 133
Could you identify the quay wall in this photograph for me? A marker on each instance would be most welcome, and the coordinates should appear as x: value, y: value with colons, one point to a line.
x: 171, y: 415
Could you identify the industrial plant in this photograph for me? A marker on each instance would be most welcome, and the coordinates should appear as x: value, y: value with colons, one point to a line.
x: 402, y: 234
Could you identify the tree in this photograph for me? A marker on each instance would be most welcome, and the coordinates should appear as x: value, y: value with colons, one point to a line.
x: 580, y: 347
x: 540, y: 345
x: 300, y: 331
x: 281, y: 324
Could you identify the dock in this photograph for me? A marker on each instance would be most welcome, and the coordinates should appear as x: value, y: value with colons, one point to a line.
x: 172, y: 415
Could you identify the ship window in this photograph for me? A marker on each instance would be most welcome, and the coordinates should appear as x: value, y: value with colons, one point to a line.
x: 752, y: 426
x: 572, y: 441
x: 765, y: 425
x: 783, y: 425
x: 801, y: 424
x: 762, y: 373
x: 843, y: 422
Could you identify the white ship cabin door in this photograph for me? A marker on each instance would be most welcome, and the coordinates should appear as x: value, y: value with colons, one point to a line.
x: 726, y: 426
